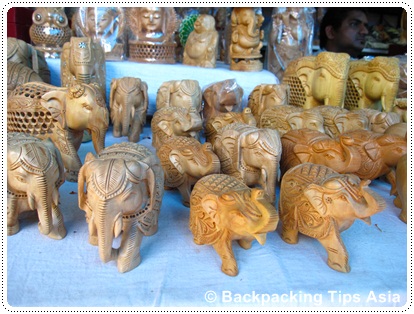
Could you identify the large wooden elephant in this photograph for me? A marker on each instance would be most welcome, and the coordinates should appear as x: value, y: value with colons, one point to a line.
x: 61, y: 114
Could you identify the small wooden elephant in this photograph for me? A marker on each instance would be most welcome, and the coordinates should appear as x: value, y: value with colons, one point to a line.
x: 224, y: 209
x: 320, y: 203
x: 128, y: 103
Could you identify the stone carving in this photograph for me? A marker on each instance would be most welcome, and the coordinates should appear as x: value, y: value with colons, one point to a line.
x: 376, y: 83
x: 128, y: 103
x: 318, y: 80
x: 184, y: 161
x: 61, y: 114
x: 224, y: 209
x: 201, y: 48
x: 246, y: 40
x: 222, y: 97
x: 173, y: 121
x: 290, y: 37
x: 266, y: 96
x: 124, y: 190
x: 401, y: 182
x: 34, y: 174
x: 321, y: 203
x: 305, y: 145
x: 250, y: 154
x: 50, y: 30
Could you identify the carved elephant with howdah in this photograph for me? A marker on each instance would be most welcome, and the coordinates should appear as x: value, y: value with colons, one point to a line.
x: 380, y: 121
x: 215, y: 124
x: 34, y: 174
x: 124, y: 190
x: 250, y: 154
x: 173, y: 121
x: 401, y: 187
x: 128, y: 103
x: 305, y: 145
x: 286, y: 118
x: 379, y: 154
x: 184, y: 161
x: 224, y: 209
x: 61, y: 114
x: 338, y: 120
x: 320, y: 203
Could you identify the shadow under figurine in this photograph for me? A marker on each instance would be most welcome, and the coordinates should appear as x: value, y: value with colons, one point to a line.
x: 224, y: 209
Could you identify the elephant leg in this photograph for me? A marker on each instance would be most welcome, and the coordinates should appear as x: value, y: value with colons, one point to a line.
x: 117, y: 129
x: 337, y: 253
x: 93, y: 231
x: 129, y: 252
x: 245, y: 244
x: 185, y: 192
x: 70, y: 156
x: 391, y: 177
x: 58, y: 231
x: 225, y: 251
x: 290, y: 235
x: 136, y: 128
x: 12, y: 216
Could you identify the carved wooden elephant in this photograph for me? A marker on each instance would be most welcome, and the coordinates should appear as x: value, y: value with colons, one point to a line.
x: 128, y: 103
x: 380, y: 121
x: 34, y: 174
x: 321, y: 203
x: 124, y: 190
x: 224, y: 209
x: 250, y: 154
x: 61, y: 114
x: 185, y: 160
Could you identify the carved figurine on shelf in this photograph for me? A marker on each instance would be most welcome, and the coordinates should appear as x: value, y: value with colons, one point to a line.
x: 286, y: 118
x: 222, y: 97
x: 380, y: 121
x: 83, y: 61
x: 305, y: 145
x: 376, y: 83
x: 184, y: 161
x: 201, y: 47
x: 318, y: 80
x: 50, y: 30
x: 290, y: 37
x: 250, y: 154
x: 401, y: 181
x: 266, y: 96
x: 224, y: 209
x: 338, y: 120
x: 379, y: 154
x: 34, y: 174
x: 320, y: 203
x: 173, y: 121
x: 246, y: 40
x: 106, y: 26
x: 215, y: 124
x: 62, y: 114
x: 151, y: 34
x: 130, y: 204
x: 128, y: 103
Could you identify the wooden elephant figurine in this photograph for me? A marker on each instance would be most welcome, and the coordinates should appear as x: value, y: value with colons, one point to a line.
x: 184, y: 161
x: 61, y: 114
x: 173, y: 121
x: 124, y: 190
x: 34, y: 174
x: 250, y: 154
x: 128, y: 103
x: 224, y: 209
x: 380, y: 121
x: 18, y: 74
x: 401, y: 186
x: 379, y: 154
x: 305, y: 145
x: 320, y: 203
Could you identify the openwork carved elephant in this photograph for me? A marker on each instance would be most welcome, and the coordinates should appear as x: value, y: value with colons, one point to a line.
x: 124, y: 190
x: 34, y: 174
x: 250, y: 154
x: 320, y: 203
x: 184, y: 161
x: 224, y: 209
x: 128, y: 103
x: 61, y: 114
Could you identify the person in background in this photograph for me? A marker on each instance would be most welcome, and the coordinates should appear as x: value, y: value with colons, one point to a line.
x: 344, y: 30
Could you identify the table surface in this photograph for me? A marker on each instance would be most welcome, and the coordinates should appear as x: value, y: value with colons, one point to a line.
x: 174, y: 271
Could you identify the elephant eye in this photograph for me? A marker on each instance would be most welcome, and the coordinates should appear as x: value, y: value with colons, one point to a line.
x: 343, y: 198
x: 87, y: 106
x: 329, y: 156
x: 227, y: 197
x: 20, y: 179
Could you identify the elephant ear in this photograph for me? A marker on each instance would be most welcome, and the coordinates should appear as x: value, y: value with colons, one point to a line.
x: 373, y: 151
x: 210, y: 206
x: 113, y: 87
x: 175, y: 160
x: 314, y: 193
x: 58, y: 157
x: 303, y: 152
x: 55, y: 102
x: 165, y: 127
x: 144, y: 89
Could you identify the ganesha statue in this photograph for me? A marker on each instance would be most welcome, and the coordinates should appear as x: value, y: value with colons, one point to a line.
x: 224, y: 209
x: 321, y: 203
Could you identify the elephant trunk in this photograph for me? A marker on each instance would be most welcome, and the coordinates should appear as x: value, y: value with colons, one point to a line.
x: 126, y: 118
x: 269, y: 178
x: 252, y: 31
x: 84, y: 78
x: 212, y: 162
x: 98, y: 139
x: 268, y: 213
x: 106, y: 231
x: 370, y: 203
x: 44, y: 205
x: 352, y: 157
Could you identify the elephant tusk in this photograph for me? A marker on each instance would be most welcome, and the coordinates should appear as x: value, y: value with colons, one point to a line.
x: 260, y: 237
x: 367, y: 220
